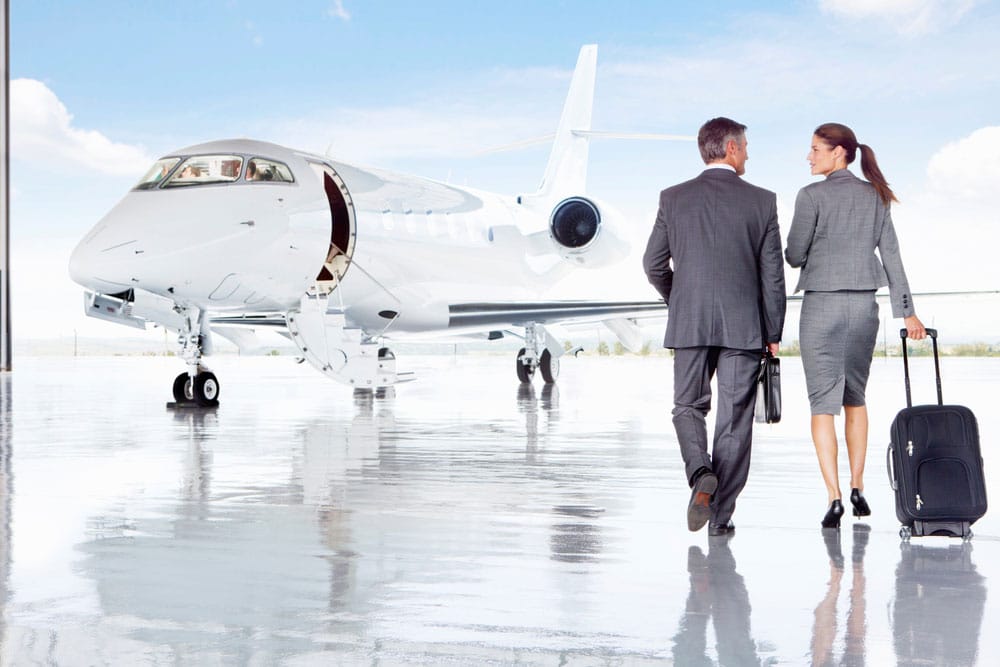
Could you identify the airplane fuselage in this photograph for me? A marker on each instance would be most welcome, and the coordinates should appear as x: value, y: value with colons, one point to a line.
x: 242, y: 246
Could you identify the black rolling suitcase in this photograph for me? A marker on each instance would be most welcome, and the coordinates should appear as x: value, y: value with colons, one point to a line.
x: 935, y: 465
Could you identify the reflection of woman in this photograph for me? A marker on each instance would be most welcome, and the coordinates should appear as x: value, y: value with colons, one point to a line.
x: 838, y: 224
x: 825, y: 615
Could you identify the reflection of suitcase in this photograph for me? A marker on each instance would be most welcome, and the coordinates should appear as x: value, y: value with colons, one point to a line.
x: 935, y: 465
x: 937, y: 611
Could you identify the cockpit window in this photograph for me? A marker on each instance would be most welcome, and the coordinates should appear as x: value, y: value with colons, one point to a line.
x: 259, y: 169
x: 205, y: 169
x: 157, y: 173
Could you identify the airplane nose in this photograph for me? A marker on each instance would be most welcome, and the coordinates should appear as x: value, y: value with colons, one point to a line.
x: 79, y: 266
x: 98, y: 262
x: 86, y: 268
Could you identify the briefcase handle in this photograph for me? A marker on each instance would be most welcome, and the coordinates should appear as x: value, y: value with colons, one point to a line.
x: 906, y: 365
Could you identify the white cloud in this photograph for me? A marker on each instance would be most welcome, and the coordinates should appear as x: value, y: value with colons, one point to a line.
x: 337, y: 11
x: 42, y: 131
x: 968, y: 168
x: 950, y: 228
x: 910, y: 17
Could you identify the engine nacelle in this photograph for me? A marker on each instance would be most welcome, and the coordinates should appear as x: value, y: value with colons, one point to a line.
x: 583, y: 232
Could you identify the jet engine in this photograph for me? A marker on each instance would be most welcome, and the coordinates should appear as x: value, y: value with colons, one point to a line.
x: 583, y: 232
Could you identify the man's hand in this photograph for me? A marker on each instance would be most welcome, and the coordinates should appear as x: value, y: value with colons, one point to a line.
x: 773, y: 348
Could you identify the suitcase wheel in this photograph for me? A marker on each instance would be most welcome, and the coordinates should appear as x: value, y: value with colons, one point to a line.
x: 905, y: 533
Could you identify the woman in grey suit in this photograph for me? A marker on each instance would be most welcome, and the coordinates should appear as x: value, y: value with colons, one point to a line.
x: 839, y: 223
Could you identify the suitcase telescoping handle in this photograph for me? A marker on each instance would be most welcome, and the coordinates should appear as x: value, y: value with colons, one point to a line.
x: 906, y: 366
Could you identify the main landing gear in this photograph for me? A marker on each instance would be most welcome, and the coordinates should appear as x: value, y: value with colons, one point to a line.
x: 198, y: 386
x: 537, y: 355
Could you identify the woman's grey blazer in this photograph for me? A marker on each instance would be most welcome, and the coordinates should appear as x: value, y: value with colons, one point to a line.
x: 838, y: 224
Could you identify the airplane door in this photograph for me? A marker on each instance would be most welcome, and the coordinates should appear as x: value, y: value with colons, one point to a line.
x: 342, y: 229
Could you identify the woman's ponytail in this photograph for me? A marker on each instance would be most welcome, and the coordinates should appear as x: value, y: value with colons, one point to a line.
x: 869, y: 167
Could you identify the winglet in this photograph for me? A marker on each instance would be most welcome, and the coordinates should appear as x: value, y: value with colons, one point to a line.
x: 566, y: 172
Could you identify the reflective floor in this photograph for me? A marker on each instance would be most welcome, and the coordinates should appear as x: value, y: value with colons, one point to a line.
x: 464, y: 520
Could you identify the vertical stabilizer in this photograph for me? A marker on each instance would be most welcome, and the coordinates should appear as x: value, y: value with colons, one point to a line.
x: 566, y: 172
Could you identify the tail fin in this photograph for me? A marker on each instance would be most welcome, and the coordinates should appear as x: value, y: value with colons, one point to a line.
x: 566, y: 172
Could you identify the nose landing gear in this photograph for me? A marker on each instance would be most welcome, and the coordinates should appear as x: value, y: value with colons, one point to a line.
x: 202, y: 391
x: 198, y: 386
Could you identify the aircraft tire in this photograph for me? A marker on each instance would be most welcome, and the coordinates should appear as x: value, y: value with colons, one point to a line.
x: 206, y: 390
x: 549, y: 366
x: 524, y: 372
x: 181, y: 389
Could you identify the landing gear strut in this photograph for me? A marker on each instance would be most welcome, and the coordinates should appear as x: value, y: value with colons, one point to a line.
x: 198, y: 386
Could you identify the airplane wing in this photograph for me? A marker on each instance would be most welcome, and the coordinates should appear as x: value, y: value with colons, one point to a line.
x: 486, y: 314
x: 500, y: 314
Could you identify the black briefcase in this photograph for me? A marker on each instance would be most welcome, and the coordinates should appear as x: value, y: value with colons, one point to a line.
x: 767, y: 405
x: 935, y: 464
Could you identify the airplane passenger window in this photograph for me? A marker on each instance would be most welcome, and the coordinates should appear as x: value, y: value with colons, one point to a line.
x: 259, y: 169
x: 205, y: 169
x: 157, y: 173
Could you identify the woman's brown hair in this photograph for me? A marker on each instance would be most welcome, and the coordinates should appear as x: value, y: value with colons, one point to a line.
x: 835, y: 134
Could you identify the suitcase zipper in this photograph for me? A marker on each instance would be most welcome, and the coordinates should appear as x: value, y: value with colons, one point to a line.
x: 909, y: 447
x: 919, y: 502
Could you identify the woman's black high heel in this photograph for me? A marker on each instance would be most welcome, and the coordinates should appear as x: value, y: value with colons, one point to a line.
x: 832, y: 518
x: 860, y: 504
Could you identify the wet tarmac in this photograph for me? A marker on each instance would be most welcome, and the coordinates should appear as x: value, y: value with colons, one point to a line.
x: 463, y: 520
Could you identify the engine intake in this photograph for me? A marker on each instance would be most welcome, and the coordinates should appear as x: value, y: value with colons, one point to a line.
x: 575, y: 223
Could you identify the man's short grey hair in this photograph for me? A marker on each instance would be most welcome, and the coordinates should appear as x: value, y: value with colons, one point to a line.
x: 715, y: 134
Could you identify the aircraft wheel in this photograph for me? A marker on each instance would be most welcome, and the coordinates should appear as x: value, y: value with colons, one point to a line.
x: 182, y: 389
x: 206, y: 390
x: 549, y: 366
x: 524, y: 371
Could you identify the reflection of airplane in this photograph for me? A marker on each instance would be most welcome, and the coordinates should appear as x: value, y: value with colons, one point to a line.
x: 233, y: 235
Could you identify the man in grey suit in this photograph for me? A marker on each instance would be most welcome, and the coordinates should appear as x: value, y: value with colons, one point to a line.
x: 726, y: 295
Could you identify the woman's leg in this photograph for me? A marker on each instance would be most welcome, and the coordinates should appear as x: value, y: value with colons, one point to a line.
x: 856, y: 434
x: 825, y: 440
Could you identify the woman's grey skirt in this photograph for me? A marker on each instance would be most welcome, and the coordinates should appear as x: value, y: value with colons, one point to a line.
x: 837, y: 332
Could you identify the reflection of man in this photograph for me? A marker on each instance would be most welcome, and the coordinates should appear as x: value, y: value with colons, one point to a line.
x: 726, y: 293
x: 717, y: 591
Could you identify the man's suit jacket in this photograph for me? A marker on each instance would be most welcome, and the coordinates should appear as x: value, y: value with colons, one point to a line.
x: 838, y: 224
x: 727, y: 284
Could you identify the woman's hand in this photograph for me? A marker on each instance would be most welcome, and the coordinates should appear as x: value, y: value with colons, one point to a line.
x: 914, y: 328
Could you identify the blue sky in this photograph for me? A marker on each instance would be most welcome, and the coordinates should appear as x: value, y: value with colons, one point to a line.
x: 102, y: 88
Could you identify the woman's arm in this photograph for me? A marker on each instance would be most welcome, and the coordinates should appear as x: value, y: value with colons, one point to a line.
x: 899, y: 287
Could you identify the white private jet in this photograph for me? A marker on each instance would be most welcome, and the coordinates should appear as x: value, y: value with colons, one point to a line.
x: 236, y: 234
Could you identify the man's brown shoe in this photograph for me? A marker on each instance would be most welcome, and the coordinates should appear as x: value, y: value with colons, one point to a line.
x: 701, y: 494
